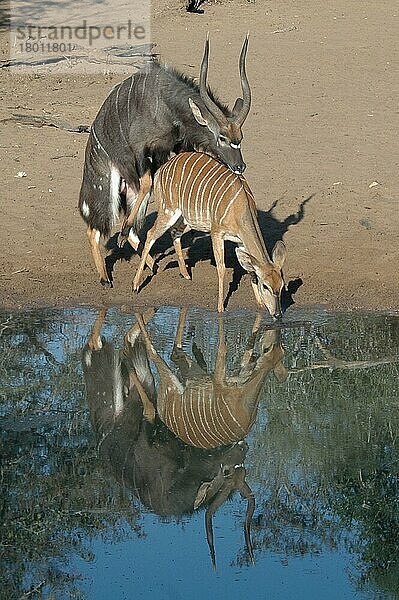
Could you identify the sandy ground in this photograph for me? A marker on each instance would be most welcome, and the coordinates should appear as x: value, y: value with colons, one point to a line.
x: 321, y: 145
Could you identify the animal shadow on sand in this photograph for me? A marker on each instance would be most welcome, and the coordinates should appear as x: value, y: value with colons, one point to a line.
x: 199, y: 248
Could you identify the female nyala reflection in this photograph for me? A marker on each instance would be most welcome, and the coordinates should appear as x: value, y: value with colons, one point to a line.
x: 174, y: 454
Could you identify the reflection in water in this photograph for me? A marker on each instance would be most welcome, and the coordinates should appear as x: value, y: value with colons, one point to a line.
x: 182, y: 446
x: 175, y: 412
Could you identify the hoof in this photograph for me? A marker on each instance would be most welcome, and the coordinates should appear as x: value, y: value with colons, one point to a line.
x: 106, y: 283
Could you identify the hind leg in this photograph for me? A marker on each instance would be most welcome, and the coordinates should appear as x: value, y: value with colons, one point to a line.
x: 163, y: 223
x: 93, y: 235
x: 176, y: 232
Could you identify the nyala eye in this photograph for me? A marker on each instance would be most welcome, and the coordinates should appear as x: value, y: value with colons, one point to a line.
x: 222, y: 139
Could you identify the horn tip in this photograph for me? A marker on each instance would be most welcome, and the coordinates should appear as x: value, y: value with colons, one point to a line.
x: 245, y: 46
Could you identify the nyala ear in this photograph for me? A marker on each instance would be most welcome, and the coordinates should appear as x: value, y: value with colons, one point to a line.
x: 245, y: 259
x: 197, y: 113
x: 201, y: 494
x: 279, y: 254
x: 237, y: 108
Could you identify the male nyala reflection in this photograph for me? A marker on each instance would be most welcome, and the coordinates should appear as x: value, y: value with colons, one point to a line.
x: 161, y: 444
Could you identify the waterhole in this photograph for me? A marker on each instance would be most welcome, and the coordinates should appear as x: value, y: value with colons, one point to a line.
x: 177, y: 454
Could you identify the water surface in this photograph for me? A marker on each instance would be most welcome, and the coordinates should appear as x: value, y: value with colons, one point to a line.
x: 112, y: 431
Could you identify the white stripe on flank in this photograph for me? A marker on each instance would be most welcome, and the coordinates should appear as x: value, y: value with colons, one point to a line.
x: 209, y: 198
x: 223, y: 195
x: 233, y: 417
x: 191, y: 190
x: 157, y: 94
x: 117, y: 112
x: 143, y: 90
x: 172, y: 417
x: 129, y: 94
x: 206, y: 404
x: 207, y: 431
x: 238, y: 192
x: 224, y: 436
x: 200, y: 399
x: 200, y: 421
x: 227, y: 425
x: 185, y: 419
x: 246, y: 187
x: 98, y: 141
x: 183, y: 194
x: 226, y: 175
x: 199, y: 215
x: 114, y: 194
x: 208, y: 180
x: 171, y: 181
x: 164, y: 174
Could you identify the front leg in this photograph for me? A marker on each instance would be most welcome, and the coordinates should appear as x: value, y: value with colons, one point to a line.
x: 218, y: 251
